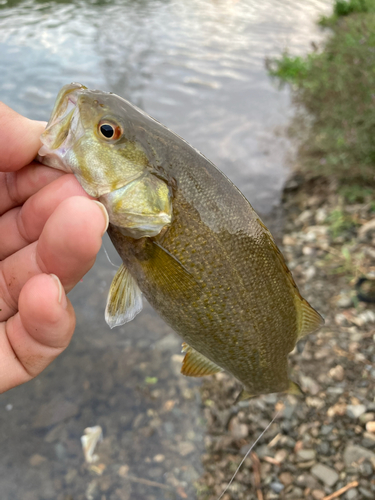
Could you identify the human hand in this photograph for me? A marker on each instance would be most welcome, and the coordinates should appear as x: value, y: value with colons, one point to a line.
x: 50, y: 233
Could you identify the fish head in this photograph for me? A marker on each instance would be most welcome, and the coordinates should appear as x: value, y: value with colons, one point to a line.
x: 90, y: 135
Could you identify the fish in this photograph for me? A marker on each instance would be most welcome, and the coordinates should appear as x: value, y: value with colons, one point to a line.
x: 189, y: 240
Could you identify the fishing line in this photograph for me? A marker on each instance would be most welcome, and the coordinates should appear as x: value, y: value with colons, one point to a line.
x: 106, y: 253
x: 248, y: 452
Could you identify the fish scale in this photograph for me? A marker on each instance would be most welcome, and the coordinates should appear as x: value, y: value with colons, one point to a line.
x: 188, y: 238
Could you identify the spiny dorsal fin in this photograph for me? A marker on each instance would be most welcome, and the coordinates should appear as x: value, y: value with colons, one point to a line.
x: 197, y: 365
x: 311, y: 320
x: 124, y: 299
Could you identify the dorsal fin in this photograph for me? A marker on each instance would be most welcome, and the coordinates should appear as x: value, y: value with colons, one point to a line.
x: 311, y: 320
x: 197, y: 365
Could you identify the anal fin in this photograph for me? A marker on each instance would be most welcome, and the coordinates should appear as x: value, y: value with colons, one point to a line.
x: 124, y: 299
x: 197, y: 365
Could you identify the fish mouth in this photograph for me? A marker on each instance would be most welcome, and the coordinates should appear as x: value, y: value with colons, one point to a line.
x: 63, y: 129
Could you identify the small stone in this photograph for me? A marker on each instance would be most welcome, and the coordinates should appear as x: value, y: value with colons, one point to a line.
x: 370, y: 426
x: 344, y: 301
x: 325, y: 474
x: 354, y: 453
x: 281, y: 455
x: 318, y: 494
x: 53, y: 412
x: 337, y: 409
x: 309, y: 385
x: 306, y: 455
x: 286, y: 478
x: 351, y: 494
x: 355, y: 411
x: 237, y: 429
x: 289, y: 241
x: 36, y: 460
x: 367, y: 417
x: 307, y: 481
x: 315, y: 402
x: 277, y: 487
x: 123, y: 471
x: 337, y: 373
x: 366, y: 493
x: 159, y: 458
x: 295, y: 494
x: 185, y: 448
x: 309, y: 273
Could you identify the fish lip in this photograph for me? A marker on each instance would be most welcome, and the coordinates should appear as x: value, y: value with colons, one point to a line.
x: 66, y: 108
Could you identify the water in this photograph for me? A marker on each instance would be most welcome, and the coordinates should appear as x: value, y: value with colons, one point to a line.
x: 198, y: 67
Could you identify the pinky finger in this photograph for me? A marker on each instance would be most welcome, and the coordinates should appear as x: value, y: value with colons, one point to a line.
x: 38, y: 333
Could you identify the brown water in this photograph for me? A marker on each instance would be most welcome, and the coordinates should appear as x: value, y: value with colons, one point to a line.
x: 198, y: 67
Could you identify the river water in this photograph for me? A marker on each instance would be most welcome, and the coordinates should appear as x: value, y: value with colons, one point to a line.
x: 198, y: 67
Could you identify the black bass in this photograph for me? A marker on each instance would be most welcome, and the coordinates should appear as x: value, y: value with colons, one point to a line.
x: 189, y: 241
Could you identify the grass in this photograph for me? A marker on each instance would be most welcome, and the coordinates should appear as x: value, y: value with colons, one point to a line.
x: 335, y: 89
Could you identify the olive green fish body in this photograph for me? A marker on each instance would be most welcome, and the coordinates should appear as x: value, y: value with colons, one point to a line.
x: 188, y: 238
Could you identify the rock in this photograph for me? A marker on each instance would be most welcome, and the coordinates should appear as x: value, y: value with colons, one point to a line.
x: 325, y: 474
x: 370, y: 426
x: 344, y: 301
x: 185, y: 448
x: 351, y: 494
x: 57, y: 410
x: 367, y: 228
x: 326, y: 429
x: 306, y: 455
x: 309, y: 273
x: 307, y: 481
x: 366, y: 493
x: 276, y: 487
x: 318, y: 494
x: 353, y: 453
x: 237, y: 429
x: 367, y: 417
x: 159, y: 458
x: 309, y: 385
x: 355, y: 411
x: 289, y: 241
x: 337, y: 409
x: 295, y: 494
x: 286, y: 478
x: 337, y: 373
x: 36, y: 460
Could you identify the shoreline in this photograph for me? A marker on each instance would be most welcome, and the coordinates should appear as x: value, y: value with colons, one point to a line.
x: 325, y: 441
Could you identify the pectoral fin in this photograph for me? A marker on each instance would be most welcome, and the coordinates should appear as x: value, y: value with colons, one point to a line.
x: 124, y: 299
x: 197, y: 365
x: 169, y: 273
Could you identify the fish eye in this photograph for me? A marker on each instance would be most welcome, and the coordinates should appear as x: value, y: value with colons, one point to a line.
x: 109, y: 130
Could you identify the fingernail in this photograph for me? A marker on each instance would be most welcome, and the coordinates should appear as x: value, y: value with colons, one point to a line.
x: 104, y: 210
x: 61, y: 297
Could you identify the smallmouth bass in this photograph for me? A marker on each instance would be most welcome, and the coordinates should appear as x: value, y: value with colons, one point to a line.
x: 188, y: 238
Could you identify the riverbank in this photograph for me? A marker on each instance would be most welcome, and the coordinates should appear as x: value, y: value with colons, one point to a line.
x: 321, y: 446
x: 325, y: 441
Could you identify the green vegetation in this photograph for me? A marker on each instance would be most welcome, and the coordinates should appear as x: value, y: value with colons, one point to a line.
x: 340, y: 222
x: 335, y: 90
x: 344, y: 8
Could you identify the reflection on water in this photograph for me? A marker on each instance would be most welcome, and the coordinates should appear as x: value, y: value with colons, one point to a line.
x: 198, y: 67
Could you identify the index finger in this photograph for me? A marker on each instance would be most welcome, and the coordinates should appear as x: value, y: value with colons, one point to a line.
x: 19, y: 139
